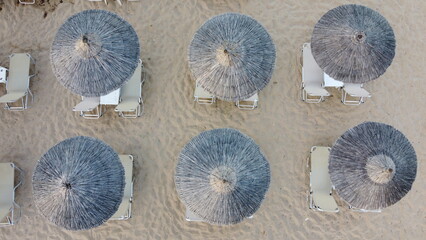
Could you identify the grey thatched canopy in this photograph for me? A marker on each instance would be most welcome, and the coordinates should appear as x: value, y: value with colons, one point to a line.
x: 353, y: 43
x: 222, y: 176
x: 79, y: 183
x: 372, y: 166
x: 94, y: 52
x: 232, y: 56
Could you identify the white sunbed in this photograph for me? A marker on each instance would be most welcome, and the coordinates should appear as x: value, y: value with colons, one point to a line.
x: 7, y: 194
x: 26, y: 1
x: 249, y: 103
x: 131, y: 104
x: 124, y: 211
x: 312, y: 78
x: 89, y: 108
x: 354, y: 209
x: 354, y: 91
x: 201, y: 96
x: 18, y: 82
x: 320, y: 197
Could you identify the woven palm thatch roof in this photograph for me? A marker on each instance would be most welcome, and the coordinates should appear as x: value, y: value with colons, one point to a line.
x: 222, y: 176
x: 94, y: 53
x: 232, y: 56
x: 79, y: 183
x: 353, y: 43
x: 372, y: 166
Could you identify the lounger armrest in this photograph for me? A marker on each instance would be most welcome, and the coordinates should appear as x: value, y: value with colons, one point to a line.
x: 20, y: 177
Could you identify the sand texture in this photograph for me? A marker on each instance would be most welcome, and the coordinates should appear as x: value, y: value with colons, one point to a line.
x: 283, y: 126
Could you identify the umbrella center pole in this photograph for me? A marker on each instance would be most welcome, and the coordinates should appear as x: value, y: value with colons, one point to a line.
x: 223, y: 179
x: 380, y: 168
x: 226, y: 53
x: 359, y: 37
x: 66, y: 185
x: 88, y: 46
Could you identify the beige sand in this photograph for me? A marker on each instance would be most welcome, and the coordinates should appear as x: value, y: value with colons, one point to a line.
x: 283, y: 126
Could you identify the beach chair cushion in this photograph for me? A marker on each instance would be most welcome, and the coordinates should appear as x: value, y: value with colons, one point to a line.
x: 132, y: 89
x: 311, y: 72
x: 127, y: 162
x: 88, y: 104
x: 19, y: 72
x: 316, y: 90
x: 355, y: 90
x: 320, y: 180
x: 12, y: 97
x: 7, y: 175
x: 128, y: 105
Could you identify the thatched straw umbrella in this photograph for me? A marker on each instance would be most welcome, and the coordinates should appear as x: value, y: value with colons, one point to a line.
x: 94, y: 52
x: 222, y: 176
x: 79, y: 183
x: 353, y: 44
x: 372, y: 166
x: 232, y: 56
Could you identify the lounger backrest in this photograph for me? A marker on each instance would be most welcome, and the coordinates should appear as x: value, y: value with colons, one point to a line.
x: 132, y: 89
x: 320, y: 178
x: 19, y: 72
x: 7, y: 173
x: 127, y: 162
x: 312, y: 73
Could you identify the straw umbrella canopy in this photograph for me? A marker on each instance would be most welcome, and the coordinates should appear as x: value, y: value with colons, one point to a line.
x: 79, y: 183
x: 353, y: 44
x: 232, y: 56
x: 222, y: 176
x: 94, y: 53
x: 372, y: 166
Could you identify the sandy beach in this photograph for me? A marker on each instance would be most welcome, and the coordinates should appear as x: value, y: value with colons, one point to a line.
x: 283, y: 126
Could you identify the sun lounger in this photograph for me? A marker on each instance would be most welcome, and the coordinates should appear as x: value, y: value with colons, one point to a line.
x: 201, y: 96
x: 89, y: 108
x: 354, y: 209
x: 105, y: 1
x: 354, y: 91
x: 10, y: 211
x: 320, y: 197
x: 312, y: 78
x: 3, y: 72
x: 249, y: 103
x: 124, y: 211
x: 26, y: 1
x: 18, y: 83
x: 131, y: 104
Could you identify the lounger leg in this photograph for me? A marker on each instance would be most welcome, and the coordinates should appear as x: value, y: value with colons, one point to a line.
x: 23, y: 106
x: 95, y: 115
x: 205, y: 100
x: 305, y: 98
x: 246, y: 106
x: 351, y: 102
x: 138, y: 111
